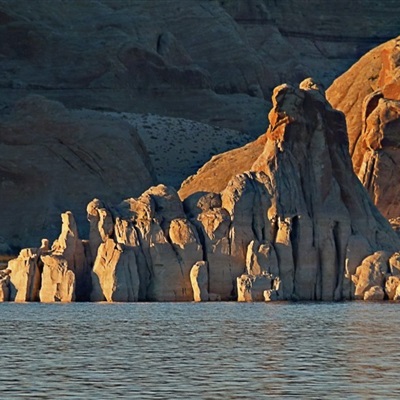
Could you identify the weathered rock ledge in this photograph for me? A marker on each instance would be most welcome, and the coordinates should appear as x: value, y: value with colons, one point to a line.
x: 298, y: 226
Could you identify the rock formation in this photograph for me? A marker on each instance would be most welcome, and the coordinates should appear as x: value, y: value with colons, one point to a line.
x: 4, y: 286
x: 163, y: 246
x: 66, y: 270
x: 298, y: 226
x: 369, y: 95
x: 140, y: 58
x: 61, y: 273
x: 199, y: 281
x: 54, y: 159
x: 25, y: 276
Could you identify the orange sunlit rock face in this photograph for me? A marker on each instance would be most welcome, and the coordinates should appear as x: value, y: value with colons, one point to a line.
x: 369, y: 95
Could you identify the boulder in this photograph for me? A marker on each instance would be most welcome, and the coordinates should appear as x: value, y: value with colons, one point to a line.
x: 391, y: 285
x: 164, y: 245
x: 261, y: 259
x: 65, y: 268
x: 375, y: 293
x: 394, y: 264
x: 274, y: 294
x: 370, y: 276
x: 252, y: 288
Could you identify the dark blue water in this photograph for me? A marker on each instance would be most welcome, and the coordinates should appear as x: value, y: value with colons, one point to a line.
x: 202, y: 351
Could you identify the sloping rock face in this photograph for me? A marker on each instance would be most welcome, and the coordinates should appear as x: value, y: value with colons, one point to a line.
x: 178, y: 147
x: 54, y: 159
x: 215, y: 174
x: 147, y: 56
x: 369, y: 95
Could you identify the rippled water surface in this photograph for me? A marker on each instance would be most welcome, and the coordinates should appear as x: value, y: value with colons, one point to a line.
x: 204, y: 351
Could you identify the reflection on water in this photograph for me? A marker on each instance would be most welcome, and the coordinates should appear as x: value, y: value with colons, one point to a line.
x: 205, y: 351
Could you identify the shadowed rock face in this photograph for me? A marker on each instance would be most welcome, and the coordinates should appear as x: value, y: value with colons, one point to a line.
x: 299, y: 225
x: 369, y: 95
x: 53, y: 158
x: 148, y: 56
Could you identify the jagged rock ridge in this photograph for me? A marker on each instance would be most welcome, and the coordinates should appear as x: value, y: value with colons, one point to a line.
x: 298, y: 226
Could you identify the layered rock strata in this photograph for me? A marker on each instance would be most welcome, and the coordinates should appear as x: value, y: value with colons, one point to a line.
x: 298, y: 226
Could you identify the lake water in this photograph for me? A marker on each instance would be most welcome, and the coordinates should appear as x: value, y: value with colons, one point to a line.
x: 201, y: 351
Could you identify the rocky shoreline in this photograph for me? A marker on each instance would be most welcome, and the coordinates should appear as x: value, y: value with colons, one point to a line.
x: 298, y: 225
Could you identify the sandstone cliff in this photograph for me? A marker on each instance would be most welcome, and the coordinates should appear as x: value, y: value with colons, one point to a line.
x: 369, y: 95
x: 298, y: 226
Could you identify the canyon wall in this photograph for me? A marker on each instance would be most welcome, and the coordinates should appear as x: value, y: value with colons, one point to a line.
x: 210, y: 61
x: 172, y: 72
